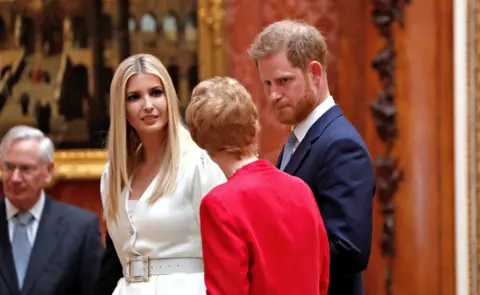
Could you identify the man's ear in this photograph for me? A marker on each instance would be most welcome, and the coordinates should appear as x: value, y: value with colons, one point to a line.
x: 50, y: 171
x: 315, y: 69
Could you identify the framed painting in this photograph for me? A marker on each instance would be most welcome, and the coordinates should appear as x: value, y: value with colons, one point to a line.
x: 57, y: 59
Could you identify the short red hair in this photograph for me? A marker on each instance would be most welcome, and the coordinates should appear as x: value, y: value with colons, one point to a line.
x: 222, y: 117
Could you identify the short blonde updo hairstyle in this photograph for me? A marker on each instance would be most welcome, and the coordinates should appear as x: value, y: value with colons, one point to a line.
x: 222, y: 117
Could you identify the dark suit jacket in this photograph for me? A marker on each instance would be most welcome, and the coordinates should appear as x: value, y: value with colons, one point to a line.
x: 334, y: 161
x: 65, y: 257
x: 262, y: 234
x: 110, y: 270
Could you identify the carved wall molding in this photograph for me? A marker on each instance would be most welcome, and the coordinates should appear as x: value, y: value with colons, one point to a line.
x: 473, y: 97
x: 385, y: 13
x: 211, y: 29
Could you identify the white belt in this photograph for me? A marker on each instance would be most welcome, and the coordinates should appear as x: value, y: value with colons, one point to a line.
x: 141, y: 268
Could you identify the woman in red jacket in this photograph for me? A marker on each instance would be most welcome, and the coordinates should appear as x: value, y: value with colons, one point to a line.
x: 262, y: 233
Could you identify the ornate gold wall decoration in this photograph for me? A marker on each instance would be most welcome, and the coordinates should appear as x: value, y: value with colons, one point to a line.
x: 79, y: 164
x: 211, y: 27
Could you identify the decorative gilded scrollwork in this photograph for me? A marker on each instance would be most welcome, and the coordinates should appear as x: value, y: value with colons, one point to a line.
x: 214, y: 17
x: 384, y: 14
x: 79, y: 164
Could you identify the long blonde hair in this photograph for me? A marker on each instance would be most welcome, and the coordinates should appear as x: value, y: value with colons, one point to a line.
x: 124, y: 147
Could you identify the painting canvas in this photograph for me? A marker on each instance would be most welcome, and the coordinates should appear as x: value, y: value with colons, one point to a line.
x: 56, y: 65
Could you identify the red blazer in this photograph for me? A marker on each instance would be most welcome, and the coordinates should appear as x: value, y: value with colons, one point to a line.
x: 262, y: 234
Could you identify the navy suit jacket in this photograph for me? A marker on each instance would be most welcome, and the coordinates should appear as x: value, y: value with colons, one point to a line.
x: 110, y: 270
x: 334, y: 161
x: 65, y: 257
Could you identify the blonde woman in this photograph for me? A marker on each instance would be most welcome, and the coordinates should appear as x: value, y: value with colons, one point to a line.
x: 153, y: 184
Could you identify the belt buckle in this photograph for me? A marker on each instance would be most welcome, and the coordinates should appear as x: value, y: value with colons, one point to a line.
x: 146, y: 269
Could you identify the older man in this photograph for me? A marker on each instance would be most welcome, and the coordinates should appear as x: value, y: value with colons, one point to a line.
x: 46, y: 247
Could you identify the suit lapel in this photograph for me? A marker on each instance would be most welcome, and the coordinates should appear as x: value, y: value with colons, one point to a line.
x: 279, y: 159
x: 313, y: 133
x: 7, y: 266
x: 47, y: 239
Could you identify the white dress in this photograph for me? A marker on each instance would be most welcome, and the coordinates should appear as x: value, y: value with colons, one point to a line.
x: 169, y: 228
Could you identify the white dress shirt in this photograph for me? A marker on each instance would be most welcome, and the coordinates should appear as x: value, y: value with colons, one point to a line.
x: 302, y: 128
x: 36, y: 211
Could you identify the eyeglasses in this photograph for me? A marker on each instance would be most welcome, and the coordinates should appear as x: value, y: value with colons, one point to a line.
x: 23, y: 169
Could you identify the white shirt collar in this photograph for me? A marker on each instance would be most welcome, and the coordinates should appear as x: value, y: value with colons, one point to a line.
x: 302, y: 128
x: 36, y: 210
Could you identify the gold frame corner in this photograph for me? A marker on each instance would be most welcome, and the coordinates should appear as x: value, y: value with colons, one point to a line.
x: 79, y: 164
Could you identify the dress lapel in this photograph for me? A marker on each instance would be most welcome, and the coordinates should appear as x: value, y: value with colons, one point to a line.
x: 7, y: 266
x: 313, y: 133
x: 47, y: 239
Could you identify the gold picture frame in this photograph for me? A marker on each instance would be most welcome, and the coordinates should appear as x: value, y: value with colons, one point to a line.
x: 89, y: 164
x: 79, y: 164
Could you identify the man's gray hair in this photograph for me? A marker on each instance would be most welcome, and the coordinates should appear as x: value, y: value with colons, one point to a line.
x: 22, y: 132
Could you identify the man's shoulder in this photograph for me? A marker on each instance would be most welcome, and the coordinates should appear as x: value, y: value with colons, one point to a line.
x: 74, y: 213
x: 339, y: 130
x: 341, y: 127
